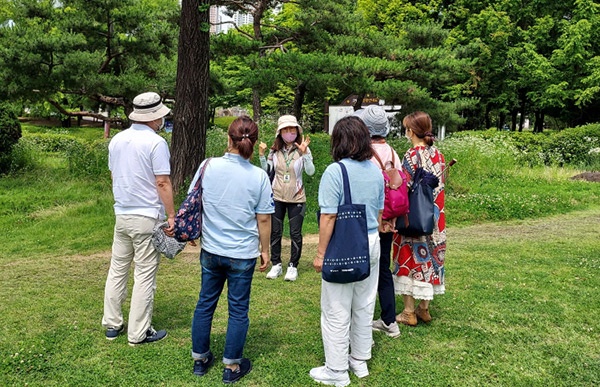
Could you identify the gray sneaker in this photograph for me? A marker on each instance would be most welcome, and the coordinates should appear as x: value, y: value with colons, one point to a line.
x: 152, y: 336
x: 391, y: 330
x: 112, y: 333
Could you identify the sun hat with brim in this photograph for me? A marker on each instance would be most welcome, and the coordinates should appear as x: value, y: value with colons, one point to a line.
x: 148, y: 107
x: 287, y: 121
x: 375, y: 119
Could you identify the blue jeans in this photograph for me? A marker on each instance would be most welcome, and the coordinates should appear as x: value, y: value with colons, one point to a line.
x: 238, y: 273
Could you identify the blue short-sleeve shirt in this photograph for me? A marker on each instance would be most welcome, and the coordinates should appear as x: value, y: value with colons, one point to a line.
x: 233, y: 192
x: 366, y: 187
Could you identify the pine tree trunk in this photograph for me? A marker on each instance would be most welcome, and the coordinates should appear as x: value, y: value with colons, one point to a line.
x: 256, y: 108
x: 188, y: 146
x: 299, y: 94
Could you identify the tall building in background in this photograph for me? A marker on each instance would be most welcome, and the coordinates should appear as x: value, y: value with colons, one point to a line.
x: 221, y: 23
x: 213, y: 18
x: 241, y: 19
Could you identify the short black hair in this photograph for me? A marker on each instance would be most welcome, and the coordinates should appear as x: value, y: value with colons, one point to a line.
x: 351, y: 139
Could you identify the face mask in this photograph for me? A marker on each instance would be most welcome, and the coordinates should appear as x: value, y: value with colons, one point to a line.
x: 162, y: 124
x: 288, y: 137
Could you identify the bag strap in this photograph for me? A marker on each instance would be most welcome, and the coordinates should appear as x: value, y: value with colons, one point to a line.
x: 419, y: 164
x: 378, y: 159
x: 199, y: 182
x: 347, y: 195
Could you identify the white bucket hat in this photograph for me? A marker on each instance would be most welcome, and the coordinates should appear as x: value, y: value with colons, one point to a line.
x: 287, y: 121
x: 375, y: 118
x: 148, y: 107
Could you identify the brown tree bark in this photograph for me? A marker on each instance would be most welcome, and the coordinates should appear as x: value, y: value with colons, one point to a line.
x: 257, y: 14
x: 190, y: 118
x: 299, y: 94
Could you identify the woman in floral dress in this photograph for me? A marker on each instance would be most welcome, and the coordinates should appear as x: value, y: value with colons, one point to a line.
x: 419, y: 261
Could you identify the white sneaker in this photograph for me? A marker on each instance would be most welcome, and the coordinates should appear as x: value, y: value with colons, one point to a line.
x: 275, y: 271
x: 291, y: 274
x: 391, y: 330
x: 324, y: 375
x: 359, y: 367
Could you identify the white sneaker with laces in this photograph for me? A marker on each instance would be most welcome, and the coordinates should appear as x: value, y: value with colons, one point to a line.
x: 324, y: 375
x: 391, y: 330
x: 291, y: 274
x: 359, y: 367
x: 275, y: 271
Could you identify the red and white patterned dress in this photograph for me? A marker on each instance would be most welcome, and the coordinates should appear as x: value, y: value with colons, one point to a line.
x: 419, y: 261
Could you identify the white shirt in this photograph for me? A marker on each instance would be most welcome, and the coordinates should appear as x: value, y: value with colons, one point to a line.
x: 135, y: 157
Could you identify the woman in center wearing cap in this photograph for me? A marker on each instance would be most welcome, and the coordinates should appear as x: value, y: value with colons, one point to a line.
x: 375, y: 118
x: 288, y: 157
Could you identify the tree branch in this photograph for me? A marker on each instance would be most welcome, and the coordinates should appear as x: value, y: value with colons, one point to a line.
x: 62, y: 110
x: 236, y: 27
x: 108, y: 60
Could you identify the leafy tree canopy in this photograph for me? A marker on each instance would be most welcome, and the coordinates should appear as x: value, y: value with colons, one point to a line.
x: 88, y: 52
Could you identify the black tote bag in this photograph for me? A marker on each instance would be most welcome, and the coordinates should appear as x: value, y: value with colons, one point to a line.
x: 420, y: 219
x: 347, y: 256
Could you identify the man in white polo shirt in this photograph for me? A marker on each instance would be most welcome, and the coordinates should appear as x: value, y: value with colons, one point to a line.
x: 138, y: 159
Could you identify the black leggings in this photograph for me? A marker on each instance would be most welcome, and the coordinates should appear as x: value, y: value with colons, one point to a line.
x: 296, y: 213
x: 385, y: 287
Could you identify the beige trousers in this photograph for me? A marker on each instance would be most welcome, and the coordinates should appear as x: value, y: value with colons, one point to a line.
x: 132, y: 243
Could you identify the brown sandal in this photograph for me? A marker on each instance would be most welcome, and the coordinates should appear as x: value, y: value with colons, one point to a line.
x: 407, y: 318
x: 423, y: 315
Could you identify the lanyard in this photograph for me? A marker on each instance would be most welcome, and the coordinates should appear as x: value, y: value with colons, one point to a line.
x: 288, y: 158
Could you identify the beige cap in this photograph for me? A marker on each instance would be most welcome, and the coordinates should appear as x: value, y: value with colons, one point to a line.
x: 287, y: 121
x: 148, y: 107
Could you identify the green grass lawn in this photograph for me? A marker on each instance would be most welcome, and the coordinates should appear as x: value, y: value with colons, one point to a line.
x: 521, y: 308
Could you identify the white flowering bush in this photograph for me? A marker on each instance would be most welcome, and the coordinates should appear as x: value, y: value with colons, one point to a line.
x: 571, y: 146
x: 480, y: 156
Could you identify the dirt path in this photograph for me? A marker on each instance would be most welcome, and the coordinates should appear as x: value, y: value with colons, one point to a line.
x: 546, y: 228
x: 589, y: 176
x: 586, y: 222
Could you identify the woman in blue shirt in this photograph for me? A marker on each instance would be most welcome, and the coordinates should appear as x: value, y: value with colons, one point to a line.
x: 347, y: 309
x: 237, y: 203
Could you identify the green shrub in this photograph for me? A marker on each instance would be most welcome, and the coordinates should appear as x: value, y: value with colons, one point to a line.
x: 224, y: 122
x: 10, y: 133
x: 88, y: 158
x: 577, y: 147
x: 82, y: 133
x: 48, y: 142
x: 574, y: 146
x: 480, y: 158
x: 216, y: 141
x: 24, y: 157
x: 532, y: 148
